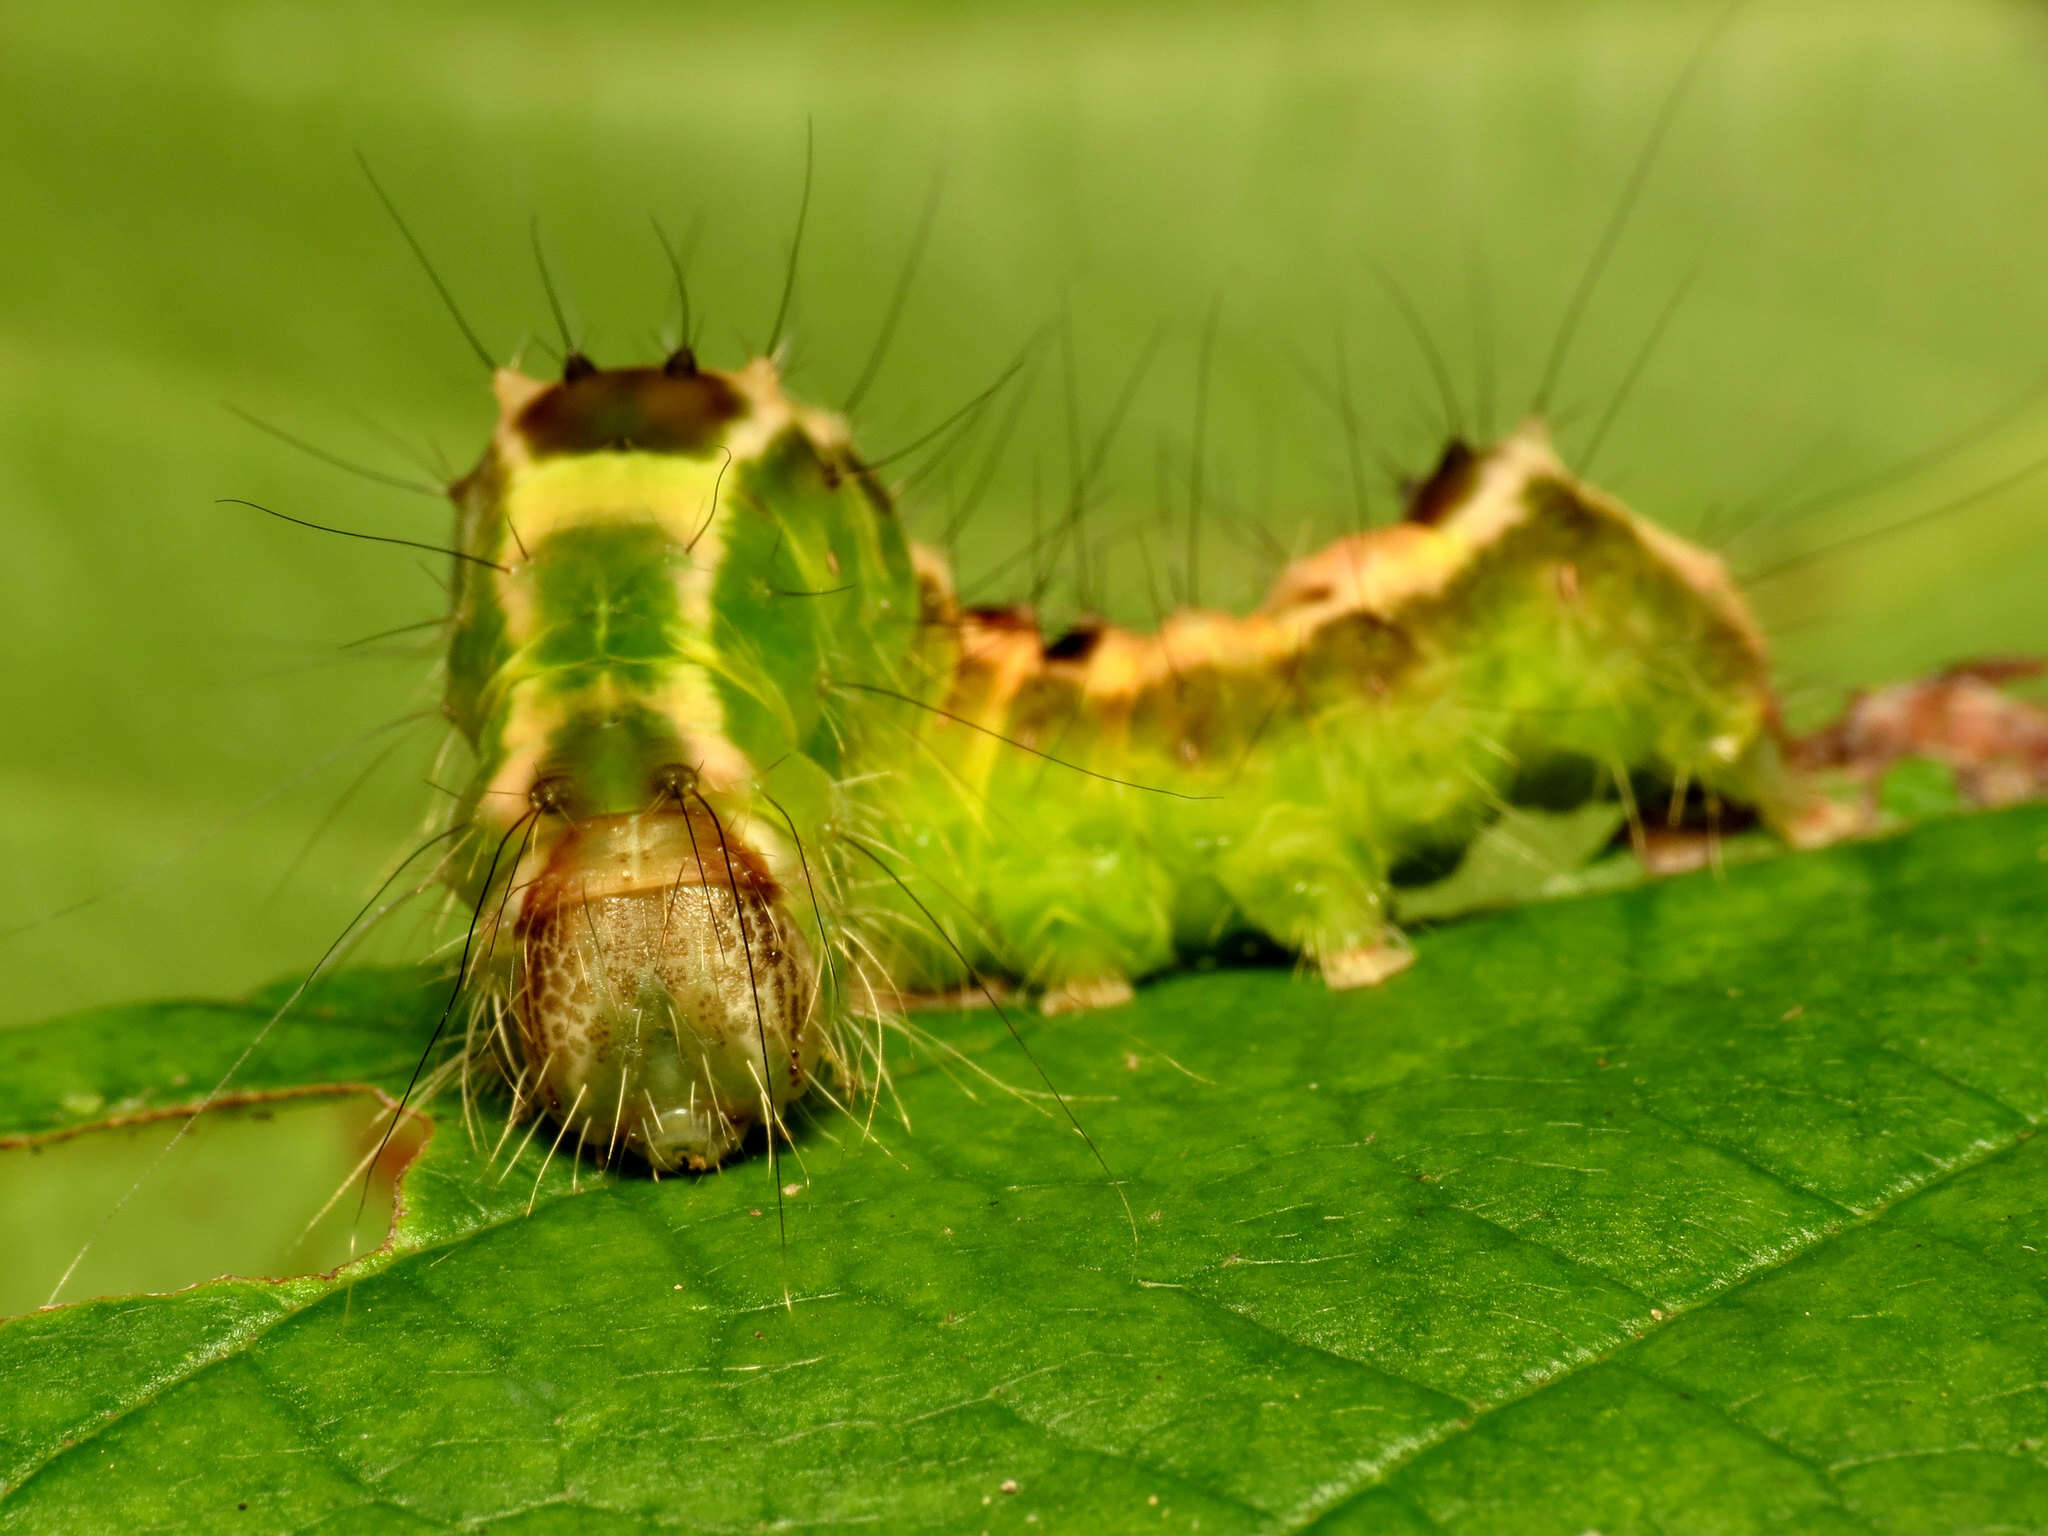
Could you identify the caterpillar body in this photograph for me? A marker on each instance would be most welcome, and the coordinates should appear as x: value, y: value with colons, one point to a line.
x: 747, y: 776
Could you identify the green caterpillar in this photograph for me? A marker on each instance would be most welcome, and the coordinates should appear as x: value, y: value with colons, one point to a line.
x: 746, y: 776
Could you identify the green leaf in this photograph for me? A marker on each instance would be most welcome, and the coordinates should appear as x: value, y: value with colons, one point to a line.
x: 1708, y: 1205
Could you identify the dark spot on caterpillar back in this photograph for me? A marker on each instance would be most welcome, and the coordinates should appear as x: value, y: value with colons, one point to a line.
x: 1445, y: 487
x: 652, y: 410
x: 1077, y: 644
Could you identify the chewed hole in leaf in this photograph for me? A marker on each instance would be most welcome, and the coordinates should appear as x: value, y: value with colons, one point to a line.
x: 268, y: 1187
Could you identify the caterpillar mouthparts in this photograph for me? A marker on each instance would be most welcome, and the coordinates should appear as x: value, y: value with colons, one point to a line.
x: 662, y: 1006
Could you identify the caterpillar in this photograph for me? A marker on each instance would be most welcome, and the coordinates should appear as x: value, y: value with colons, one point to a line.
x: 747, y: 775
x: 857, y: 895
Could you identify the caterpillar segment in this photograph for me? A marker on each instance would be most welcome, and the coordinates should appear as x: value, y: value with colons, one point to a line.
x: 638, y: 680
x: 746, y: 776
x: 1109, y: 804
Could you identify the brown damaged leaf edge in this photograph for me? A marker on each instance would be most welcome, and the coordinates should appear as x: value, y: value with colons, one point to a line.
x: 397, y: 1152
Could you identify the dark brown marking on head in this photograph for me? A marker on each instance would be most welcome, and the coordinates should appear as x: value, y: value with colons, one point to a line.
x: 576, y: 366
x: 651, y: 410
x: 1077, y: 644
x: 1436, y: 497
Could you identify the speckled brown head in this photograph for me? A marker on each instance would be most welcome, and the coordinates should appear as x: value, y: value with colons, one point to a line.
x: 664, y: 1008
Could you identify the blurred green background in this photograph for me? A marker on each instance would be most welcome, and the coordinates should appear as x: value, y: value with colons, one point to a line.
x: 1859, y: 188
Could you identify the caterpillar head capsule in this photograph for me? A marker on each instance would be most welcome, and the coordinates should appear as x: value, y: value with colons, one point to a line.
x: 663, y: 1005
